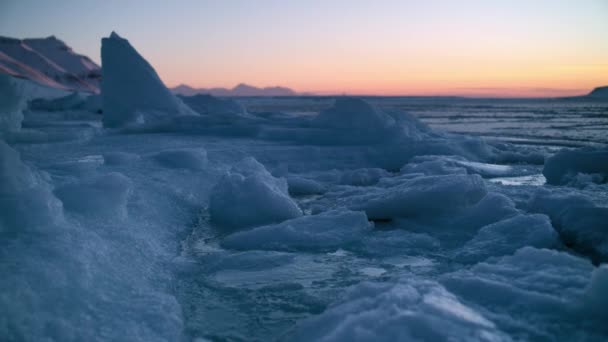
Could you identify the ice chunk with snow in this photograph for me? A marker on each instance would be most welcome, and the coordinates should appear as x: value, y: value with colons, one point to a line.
x: 326, y: 231
x: 555, y: 202
x: 422, y: 196
x: 355, y: 114
x: 194, y: 158
x: 505, y: 237
x: 534, y: 288
x: 98, y: 196
x: 402, y: 311
x: 300, y: 186
x: 249, y: 195
x: 26, y: 200
x: 131, y: 90
x: 580, y: 223
x: 11, y: 105
x: 566, y: 164
x: 492, y: 208
x: 356, y: 121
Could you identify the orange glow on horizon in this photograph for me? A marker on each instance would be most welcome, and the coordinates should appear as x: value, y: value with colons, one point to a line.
x: 410, y: 71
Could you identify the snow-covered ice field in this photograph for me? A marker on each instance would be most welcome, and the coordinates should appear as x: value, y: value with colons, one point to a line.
x: 299, y: 219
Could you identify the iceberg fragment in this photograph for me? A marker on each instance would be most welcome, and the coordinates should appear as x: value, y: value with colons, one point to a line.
x: 249, y: 195
x: 131, y: 90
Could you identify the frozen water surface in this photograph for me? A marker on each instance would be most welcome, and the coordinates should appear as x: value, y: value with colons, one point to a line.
x: 257, y: 220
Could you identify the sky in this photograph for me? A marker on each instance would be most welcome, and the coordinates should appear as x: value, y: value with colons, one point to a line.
x: 376, y: 47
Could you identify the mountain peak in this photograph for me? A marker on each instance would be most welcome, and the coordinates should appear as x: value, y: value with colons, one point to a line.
x: 49, y: 61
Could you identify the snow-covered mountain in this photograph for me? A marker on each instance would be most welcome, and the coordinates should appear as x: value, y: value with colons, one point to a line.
x: 49, y: 61
x: 241, y: 89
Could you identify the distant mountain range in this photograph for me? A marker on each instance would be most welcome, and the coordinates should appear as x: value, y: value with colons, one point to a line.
x: 49, y: 61
x: 240, y: 90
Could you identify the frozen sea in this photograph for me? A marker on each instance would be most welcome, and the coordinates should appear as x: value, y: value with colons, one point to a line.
x: 254, y: 229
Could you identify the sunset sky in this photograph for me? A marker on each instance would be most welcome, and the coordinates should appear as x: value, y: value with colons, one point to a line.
x: 469, y: 47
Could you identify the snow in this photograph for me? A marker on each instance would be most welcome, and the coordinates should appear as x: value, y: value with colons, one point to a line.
x: 62, y: 55
x: 563, y: 166
x: 505, y: 237
x: 419, y: 197
x: 131, y: 90
x: 248, y: 195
